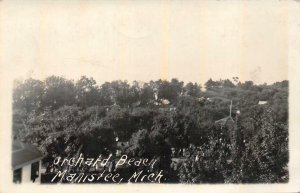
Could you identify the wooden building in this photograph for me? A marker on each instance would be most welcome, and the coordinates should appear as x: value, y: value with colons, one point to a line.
x: 26, y: 163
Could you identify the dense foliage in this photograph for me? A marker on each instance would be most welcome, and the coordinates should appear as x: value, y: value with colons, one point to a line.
x: 61, y: 116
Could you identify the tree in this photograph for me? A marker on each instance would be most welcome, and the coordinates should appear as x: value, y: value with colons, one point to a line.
x: 28, y: 95
x: 193, y: 90
x: 120, y: 93
x: 152, y: 145
x: 210, y: 84
x: 139, y: 144
x: 120, y: 120
x: 19, y: 125
x: 58, y: 92
x: 147, y: 94
x: 63, y: 118
x: 169, y: 90
x: 227, y: 83
x: 247, y: 85
x: 97, y: 140
x: 208, y: 163
x: 265, y: 156
x: 86, y: 92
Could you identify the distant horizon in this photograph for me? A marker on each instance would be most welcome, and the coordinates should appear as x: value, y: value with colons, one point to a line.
x: 130, y: 82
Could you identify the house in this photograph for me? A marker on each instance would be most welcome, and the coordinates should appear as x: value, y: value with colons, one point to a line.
x: 262, y: 102
x: 165, y: 101
x: 201, y: 99
x: 225, y: 121
x: 120, y: 147
x: 26, y: 163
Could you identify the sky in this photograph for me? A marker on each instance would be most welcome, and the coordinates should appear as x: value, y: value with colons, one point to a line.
x: 146, y: 40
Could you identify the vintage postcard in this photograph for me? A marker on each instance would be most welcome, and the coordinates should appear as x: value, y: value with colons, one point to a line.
x: 149, y: 96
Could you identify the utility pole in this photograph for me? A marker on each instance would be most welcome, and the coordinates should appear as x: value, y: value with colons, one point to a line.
x: 230, y: 108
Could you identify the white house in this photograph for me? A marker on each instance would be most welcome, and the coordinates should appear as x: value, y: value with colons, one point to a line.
x: 262, y: 102
x: 26, y: 163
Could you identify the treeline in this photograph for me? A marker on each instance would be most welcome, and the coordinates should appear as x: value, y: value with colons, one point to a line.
x: 61, y: 116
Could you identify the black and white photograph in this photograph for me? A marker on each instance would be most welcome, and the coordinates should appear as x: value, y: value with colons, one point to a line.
x: 130, y: 95
x: 159, y: 131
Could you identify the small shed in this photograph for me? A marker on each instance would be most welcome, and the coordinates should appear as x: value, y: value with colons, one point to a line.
x: 26, y: 162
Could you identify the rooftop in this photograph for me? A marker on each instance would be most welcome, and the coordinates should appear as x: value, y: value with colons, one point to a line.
x: 224, y: 121
x: 24, y: 154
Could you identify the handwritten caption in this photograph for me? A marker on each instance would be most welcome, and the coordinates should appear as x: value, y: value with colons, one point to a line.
x: 107, y: 170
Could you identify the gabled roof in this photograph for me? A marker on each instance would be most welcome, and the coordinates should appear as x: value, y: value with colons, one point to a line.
x: 24, y: 154
x: 224, y: 121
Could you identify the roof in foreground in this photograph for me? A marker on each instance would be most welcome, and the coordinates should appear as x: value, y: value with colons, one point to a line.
x: 24, y: 154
